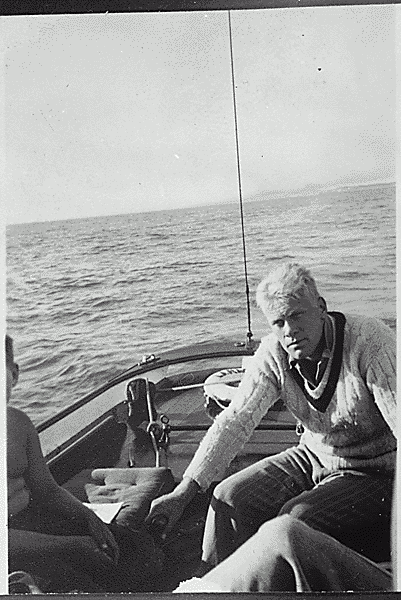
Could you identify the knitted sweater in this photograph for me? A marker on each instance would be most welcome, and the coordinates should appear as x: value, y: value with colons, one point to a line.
x: 355, y: 431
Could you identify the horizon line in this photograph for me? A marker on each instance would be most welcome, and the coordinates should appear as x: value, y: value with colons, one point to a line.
x: 258, y: 197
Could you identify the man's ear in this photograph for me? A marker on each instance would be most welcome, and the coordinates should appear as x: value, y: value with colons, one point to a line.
x: 322, y: 307
x: 15, y: 374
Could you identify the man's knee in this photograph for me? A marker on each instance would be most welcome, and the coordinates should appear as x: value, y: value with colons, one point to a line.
x: 226, y: 492
x: 298, y: 509
x: 280, y: 529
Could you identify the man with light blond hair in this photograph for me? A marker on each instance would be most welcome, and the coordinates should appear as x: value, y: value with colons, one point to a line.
x: 336, y: 374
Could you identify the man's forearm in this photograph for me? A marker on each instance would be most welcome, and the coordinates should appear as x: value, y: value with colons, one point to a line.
x: 187, y: 488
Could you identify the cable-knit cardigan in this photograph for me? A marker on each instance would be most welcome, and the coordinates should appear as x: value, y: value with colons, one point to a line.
x: 357, y: 429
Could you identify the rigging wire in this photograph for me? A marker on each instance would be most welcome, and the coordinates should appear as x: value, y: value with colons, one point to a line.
x: 248, y: 303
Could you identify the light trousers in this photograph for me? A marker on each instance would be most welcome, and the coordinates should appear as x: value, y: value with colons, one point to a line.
x: 287, y: 555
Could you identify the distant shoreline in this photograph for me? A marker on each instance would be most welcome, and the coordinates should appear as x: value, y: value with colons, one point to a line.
x: 261, y: 197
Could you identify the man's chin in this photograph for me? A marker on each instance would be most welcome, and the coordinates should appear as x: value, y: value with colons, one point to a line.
x: 297, y: 353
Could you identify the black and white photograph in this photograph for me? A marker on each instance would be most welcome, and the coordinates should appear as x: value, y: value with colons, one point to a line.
x: 200, y: 299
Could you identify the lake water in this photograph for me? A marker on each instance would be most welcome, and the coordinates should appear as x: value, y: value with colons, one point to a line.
x: 86, y: 298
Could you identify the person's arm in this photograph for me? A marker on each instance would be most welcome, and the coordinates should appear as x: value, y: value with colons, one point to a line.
x: 221, y: 444
x: 257, y: 392
x: 381, y: 377
x: 45, y: 490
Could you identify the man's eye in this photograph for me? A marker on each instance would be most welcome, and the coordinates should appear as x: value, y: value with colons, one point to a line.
x: 279, y: 323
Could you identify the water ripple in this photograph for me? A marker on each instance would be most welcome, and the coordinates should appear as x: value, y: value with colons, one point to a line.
x: 87, y: 298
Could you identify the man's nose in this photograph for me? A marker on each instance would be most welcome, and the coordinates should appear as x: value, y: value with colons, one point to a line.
x: 290, y: 327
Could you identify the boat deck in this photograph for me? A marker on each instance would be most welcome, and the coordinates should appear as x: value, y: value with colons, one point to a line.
x: 113, y: 438
x: 186, y: 408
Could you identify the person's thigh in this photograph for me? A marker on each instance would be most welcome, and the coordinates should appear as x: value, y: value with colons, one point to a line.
x: 353, y: 507
x: 287, y: 555
x: 40, y: 520
x: 257, y: 493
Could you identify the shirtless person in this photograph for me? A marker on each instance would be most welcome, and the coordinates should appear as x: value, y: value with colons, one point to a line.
x: 47, y: 525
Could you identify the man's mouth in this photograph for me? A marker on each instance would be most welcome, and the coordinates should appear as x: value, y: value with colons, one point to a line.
x: 296, y: 343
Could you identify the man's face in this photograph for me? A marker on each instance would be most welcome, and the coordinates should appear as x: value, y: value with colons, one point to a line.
x: 298, y: 325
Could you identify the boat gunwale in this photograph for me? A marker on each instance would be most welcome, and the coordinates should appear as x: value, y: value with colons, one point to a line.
x: 191, y: 353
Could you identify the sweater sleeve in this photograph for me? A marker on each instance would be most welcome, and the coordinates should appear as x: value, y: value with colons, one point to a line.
x: 232, y: 428
x: 381, y: 372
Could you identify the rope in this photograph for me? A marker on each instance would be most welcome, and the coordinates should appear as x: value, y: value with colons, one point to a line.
x: 248, y: 304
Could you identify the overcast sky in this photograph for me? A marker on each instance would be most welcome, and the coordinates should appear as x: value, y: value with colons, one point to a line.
x: 110, y: 114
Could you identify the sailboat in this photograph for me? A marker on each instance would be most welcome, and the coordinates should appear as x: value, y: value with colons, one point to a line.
x: 144, y: 425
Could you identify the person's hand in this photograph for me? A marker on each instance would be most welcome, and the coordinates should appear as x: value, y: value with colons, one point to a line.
x: 86, y: 546
x: 166, y: 510
x: 103, y: 538
x: 164, y: 513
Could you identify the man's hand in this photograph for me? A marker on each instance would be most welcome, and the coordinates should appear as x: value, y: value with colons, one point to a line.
x: 103, y: 538
x: 85, y: 545
x: 170, y: 507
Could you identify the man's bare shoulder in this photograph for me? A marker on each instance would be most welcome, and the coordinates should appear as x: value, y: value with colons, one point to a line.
x: 17, y: 418
x: 19, y: 431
